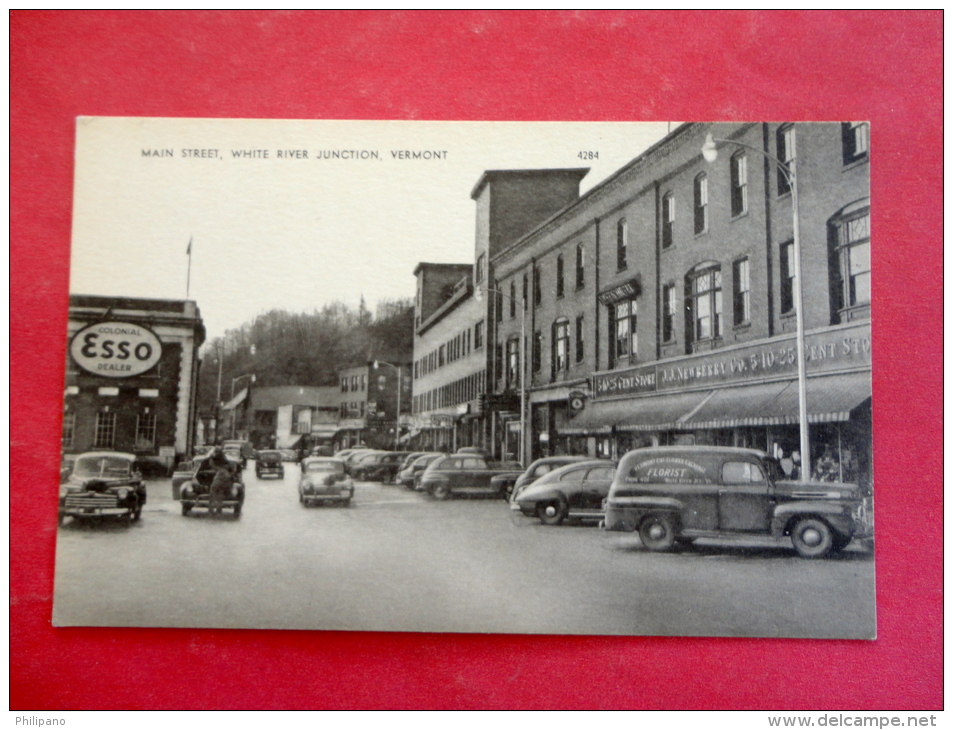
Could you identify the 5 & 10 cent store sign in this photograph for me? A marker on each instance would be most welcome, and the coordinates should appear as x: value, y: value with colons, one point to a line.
x: 115, y: 349
x: 842, y: 348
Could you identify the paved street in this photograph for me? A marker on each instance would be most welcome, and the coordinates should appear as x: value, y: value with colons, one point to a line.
x: 396, y: 560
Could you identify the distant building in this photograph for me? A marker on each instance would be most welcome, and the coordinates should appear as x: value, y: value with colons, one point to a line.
x: 131, y: 374
x: 370, y: 397
x: 278, y: 416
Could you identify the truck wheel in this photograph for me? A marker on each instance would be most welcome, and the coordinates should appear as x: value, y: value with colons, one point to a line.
x: 657, y: 532
x: 812, y: 538
x: 551, y: 513
x: 186, y: 508
x: 61, y: 519
x: 237, y: 512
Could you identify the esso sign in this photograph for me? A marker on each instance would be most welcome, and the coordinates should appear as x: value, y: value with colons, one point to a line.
x: 115, y: 349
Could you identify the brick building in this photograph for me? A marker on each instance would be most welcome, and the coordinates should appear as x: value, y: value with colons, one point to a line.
x: 131, y: 373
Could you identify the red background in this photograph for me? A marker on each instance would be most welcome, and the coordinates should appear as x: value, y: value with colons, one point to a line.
x: 881, y: 66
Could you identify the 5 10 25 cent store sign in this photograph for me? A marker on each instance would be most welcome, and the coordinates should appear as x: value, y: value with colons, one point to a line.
x: 115, y: 349
x: 843, y: 348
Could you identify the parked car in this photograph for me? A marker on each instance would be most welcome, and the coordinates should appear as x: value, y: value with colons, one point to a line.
x: 355, y: 456
x: 464, y: 474
x: 244, y: 449
x: 574, y: 491
x: 197, y: 491
x: 537, y: 469
x: 323, y: 479
x: 378, y: 466
x: 474, y: 450
x: 289, y: 455
x: 673, y: 495
x: 413, y: 468
x: 103, y: 483
x: 269, y: 463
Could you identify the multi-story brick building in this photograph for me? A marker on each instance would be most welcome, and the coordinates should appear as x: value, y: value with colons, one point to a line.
x: 661, y: 303
x: 131, y: 373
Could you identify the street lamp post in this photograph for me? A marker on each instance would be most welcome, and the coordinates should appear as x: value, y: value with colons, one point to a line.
x: 524, y: 435
x: 789, y: 170
x: 399, y: 388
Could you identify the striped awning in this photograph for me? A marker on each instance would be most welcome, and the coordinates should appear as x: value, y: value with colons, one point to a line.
x: 830, y: 398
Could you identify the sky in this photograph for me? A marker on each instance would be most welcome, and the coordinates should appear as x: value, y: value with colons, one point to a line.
x: 295, y: 230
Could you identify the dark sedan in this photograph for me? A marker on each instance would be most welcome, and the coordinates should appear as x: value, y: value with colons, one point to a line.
x: 576, y: 491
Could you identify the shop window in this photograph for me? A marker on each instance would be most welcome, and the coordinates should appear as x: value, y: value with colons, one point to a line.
x: 478, y: 335
x: 625, y: 336
x: 145, y: 431
x: 741, y: 291
x: 537, y: 351
x: 69, y: 429
x: 105, y: 430
x: 560, y: 276
x: 580, y: 265
x: 787, y: 277
x: 560, y: 345
x: 785, y: 142
x: 669, y: 306
x: 580, y: 339
x: 855, y: 137
x: 512, y: 362
x: 621, y: 244
x: 704, y: 304
x: 851, y: 264
x: 701, y: 204
x: 739, y: 184
x: 668, y: 220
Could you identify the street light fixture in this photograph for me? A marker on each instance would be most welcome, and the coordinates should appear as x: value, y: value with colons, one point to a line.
x: 399, y: 388
x: 524, y: 436
x: 789, y: 170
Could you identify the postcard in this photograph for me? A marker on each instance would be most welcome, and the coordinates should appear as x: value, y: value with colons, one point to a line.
x: 472, y: 377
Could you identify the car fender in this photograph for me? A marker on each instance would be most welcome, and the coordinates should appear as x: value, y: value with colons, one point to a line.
x: 836, y: 514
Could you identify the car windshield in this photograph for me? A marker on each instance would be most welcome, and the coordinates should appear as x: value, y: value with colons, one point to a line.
x: 101, y: 466
x: 269, y: 456
x: 328, y: 466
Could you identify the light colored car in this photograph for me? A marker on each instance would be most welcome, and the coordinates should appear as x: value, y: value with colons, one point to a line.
x: 575, y: 491
x: 323, y: 479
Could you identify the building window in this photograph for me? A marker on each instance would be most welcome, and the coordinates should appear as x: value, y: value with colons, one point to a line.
x: 560, y: 276
x: 512, y: 299
x: 580, y: 340
x: 741, y: 291
x: 105, y: 430
x: 69, y: 428
x: 669, y: 305
x: 344, y: 385
x: 525, y: 292
x: 498, y: 361
x: 145, y: 431
x: 498, y: 302
x: 787, y: 277
x: 786, y: 151
x: 668, y: 220
x: 478, y: 335
x: 441, y: 356
x: 856, y: 141
x: 363, y: 381
x: 580, y: 265
x: 621, y: 244
x: 705, y: 302
x: 625, y: 337
x: 739, y: 184
x: 537, y: 351
x: 561, y: 345
x: 852, y: 268
x: 701, y: 203
x: 481, y: 268
x: 512, y: 362
x: 537, y: 286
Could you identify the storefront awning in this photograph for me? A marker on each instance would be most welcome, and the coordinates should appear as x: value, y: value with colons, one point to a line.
x: 324, y: 430
x: 829, y: 398
x: 234, y: 402
x: 661, y: 413
x: 598, y: 418
x: 288, y: 441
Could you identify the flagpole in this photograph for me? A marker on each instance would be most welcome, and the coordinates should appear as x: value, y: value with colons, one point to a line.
x: 188, y: 276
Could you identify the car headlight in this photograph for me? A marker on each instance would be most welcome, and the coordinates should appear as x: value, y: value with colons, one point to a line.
x: 234, y: 490
x: 122, y: 493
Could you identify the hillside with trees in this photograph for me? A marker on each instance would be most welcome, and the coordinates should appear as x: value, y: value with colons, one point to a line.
x: 300, y: 348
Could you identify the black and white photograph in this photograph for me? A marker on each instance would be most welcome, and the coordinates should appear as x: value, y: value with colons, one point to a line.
x: 604, y: 378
